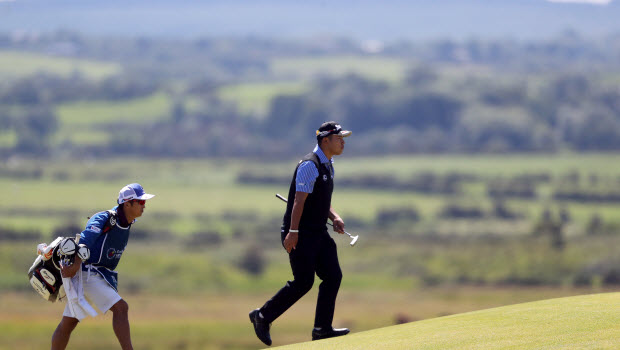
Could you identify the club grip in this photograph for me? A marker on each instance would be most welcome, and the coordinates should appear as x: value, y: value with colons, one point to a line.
x: 281, y: 198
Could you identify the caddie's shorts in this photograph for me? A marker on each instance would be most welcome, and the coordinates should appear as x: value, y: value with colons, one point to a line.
x: 97, y: 292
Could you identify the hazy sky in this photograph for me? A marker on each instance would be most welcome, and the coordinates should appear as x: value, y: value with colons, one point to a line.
x: 593, y: 2
x: 362, y: 19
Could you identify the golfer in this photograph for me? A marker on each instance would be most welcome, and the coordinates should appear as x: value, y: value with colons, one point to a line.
x: 106, y: 236
x: 305, y: 237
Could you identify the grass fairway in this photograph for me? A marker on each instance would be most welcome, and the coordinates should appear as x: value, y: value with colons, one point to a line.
x: 583, y: 322
x: 201, y: 319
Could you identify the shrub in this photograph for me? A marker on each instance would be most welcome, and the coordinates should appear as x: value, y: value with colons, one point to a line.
x: 388, y: 216
x: 456, y: 211
x: 253, y: 261
x: 206, y: 238
x: 606, y: 271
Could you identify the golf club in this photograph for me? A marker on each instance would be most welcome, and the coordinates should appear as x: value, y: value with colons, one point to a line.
x: 353, y: 238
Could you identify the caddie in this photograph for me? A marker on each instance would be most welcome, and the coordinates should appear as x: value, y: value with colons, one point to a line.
x: 106, y: 235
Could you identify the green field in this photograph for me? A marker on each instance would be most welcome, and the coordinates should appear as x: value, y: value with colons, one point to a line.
x: 135, y: 111
x: 88, y: 123
x: 8, y: 139
x: 197, y: 197
x: 488, y: 165
x: 254, y: 98
x: 16, y: 64
x: 388, y: 69
x: 191, y: 187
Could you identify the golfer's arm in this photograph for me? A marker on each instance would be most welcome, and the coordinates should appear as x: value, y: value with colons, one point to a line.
x: 332, y: 214
x: 298, y: 209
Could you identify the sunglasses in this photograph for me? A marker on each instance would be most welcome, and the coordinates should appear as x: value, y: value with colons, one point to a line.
x: 139, y: 201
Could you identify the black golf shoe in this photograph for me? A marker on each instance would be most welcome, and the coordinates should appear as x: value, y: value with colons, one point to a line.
x: 330, y: 332
x: 261, y: 327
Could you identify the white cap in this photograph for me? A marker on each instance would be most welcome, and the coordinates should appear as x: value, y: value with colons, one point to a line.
x: 131, y: 192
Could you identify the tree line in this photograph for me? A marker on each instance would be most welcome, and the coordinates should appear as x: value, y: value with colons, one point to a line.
x: 514, y: 107
x: 570, y: 112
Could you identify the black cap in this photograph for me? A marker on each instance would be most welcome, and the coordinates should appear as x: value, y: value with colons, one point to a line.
x: 331, y: 128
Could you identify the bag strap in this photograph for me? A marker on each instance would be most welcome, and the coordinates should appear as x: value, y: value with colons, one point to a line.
x: 111, y: 221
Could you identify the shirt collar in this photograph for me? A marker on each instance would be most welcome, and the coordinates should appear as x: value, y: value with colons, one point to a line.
x: 322, y: 156
x: 122, y: 220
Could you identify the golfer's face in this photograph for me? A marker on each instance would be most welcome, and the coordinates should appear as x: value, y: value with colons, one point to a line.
x: 336, y: 144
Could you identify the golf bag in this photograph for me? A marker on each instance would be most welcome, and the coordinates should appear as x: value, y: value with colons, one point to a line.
x: 44, y: 274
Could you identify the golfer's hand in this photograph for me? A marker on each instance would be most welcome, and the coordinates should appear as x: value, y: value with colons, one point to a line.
x: 338, y: 225
x: 290, y: 241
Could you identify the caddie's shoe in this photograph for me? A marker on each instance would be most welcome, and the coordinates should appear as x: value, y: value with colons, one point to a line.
x: 330, y: 332
x: 261, y: 327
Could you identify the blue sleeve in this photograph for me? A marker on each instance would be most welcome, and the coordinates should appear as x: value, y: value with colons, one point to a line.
x: 94, y: 228
x: 306, y: 177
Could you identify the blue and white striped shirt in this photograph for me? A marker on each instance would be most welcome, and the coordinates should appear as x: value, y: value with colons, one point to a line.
x: 307, y: 172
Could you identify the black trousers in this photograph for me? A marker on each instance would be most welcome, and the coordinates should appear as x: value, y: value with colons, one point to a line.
x: 315, y: 253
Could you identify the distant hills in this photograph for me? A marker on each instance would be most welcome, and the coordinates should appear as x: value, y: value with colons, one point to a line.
x: 387, y: 20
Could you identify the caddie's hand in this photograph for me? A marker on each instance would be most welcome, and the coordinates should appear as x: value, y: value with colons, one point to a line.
x: 290, y: 241
x: 70, y: 270
x: 338, y: 225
